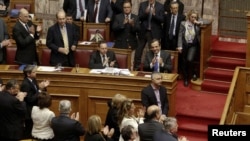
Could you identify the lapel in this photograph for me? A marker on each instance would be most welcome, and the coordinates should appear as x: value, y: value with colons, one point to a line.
x: 58, y: 32
x: 153, y: 93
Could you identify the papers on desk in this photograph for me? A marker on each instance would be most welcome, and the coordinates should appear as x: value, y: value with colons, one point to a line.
x: 49, y: 69
x: 112, y: 71
x: 85, y: 43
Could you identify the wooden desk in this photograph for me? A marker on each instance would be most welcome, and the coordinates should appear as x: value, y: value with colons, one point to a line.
x: 89, y: 93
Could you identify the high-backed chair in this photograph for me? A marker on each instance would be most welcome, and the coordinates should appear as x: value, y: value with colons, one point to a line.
x: 45, y: 57
x: 10, y: 55
x: 123, y: 57
x: 27, y: 4
x: 93, y: 28
x: 82, y: 57
x: 174, y: 58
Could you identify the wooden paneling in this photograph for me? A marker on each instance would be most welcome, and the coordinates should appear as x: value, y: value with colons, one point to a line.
x: 90, y: 93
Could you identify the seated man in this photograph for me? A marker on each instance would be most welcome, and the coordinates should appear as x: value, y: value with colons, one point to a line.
x: 157, y: 60
x: 102, y: 58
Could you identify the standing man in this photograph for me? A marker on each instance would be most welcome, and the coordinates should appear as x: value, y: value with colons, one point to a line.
x: 102, y: 58
x: 167, y: 6
x: 171, y: 27
x: 156, y: 59
x: 99, y: 11
x: 155, y: 94
x: 4, y: 41
x: 151, y: 15
x: 75, y: 8
x: 25, y: 34
x: 76, y: 28
x: 13, y: 109
x: 32, y: 88
x: 62, y: 40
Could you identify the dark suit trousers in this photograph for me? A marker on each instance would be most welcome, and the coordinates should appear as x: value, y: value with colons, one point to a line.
x: 138, y: 52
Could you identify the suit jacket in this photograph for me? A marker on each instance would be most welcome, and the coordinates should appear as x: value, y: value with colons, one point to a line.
x: 147, y: 129
x: 117, y: 7
x: 105, y: 11
x: 3, y: 35
x: 55, y: 40
x: 156, y: 21
x: 95, y: 61
x: 111, y: 121
x: 148, y: 98
x: 167, y: 6
x: 70, y: 6
x: 66, y: 129
x: 126, y: 34
x: 96, y: 137
x: 166, y: 58
x: 11, y: 117
x: 166, y: 28
x: 26, y: 44
x: 163, y: 135
x: 32, y: 94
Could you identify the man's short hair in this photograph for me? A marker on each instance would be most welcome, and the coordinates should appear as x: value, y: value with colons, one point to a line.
x: 65, y: 106
x: 126, y: 132
x: 28, y: 69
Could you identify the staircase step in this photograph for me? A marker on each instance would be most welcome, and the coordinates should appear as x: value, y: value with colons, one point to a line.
x: 229, y: 49
x: 218, y: 74
x: 193, y: 135
x: 215, y: 86
x: 225, y: 63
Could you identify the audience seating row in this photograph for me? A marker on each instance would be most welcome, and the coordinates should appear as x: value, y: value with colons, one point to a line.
x: 123, y: 57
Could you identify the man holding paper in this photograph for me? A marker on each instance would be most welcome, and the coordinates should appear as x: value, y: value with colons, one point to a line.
x: 102, y: 58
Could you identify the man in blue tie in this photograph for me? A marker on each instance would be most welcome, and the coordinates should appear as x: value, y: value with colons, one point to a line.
x: 157, y: 60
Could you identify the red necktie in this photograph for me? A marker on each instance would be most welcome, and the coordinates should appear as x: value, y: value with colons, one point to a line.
x: 80, y: 5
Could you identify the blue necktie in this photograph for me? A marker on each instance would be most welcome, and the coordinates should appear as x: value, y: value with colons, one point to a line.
x: 156, y: 65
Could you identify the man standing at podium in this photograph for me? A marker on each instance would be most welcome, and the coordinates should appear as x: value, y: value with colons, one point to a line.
x: 62, y: 40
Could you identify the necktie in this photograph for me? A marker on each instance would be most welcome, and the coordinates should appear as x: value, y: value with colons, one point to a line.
x: 156, y: 65
x: 27, y: 27
x: 80, y: 5
x: 95, y: 11
x: 150, y: 16
x: 103, y: 59
x: 157, y: 95
x: 172, y: 25
x: 65, y: 39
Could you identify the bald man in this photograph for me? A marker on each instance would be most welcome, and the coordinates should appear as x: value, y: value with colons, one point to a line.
x: 25, y: 33
x: 151, y: 124
x: 62, y: 40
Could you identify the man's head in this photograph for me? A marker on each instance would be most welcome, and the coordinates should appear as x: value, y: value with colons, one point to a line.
x: 30, y: 71
x: 156, y: 78
x: 153, y: 112
x: 12, y: 87
x: 128, y: 133
x: 61, y: 17
x: 103, y: 48
x: 69, y: 18
x: 23, y: 15
x: 155, y: 46
x: 127, y: 7
x: 170, y: 125
x: 65, y: 106
x: 174, y: 6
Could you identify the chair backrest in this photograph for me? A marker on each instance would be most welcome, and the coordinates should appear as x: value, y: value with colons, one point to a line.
x: 174, y: 58
x: 45, y: 57
x: 123, y: 57
x: 90, y: 29
x: 82, y: 57
x: 27, y: 4
x: 10, y: 55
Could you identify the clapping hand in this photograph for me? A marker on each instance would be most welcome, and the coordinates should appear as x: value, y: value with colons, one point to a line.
x: 44, y: 84
x: 75, y: 116
x: 21, y: 95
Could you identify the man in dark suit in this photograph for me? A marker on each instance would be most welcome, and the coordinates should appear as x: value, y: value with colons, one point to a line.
x: 25, y: 34
x: 151, y: 15
x: 157, y: 60
x: 102, y: 58
x: 152, y: 124
x: 76, y: 28
x: 66, y: 127
x: 169, y: 133
x: 4, y: 41
x: 171, y: 27
x: 75, y: 8
x: 126, y: 27
x: 99, y: 11
x: 13, y: 109
x: 32, y: 88
x: 62, y: 40
x: 167, y: 6
x: 155, y: 94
